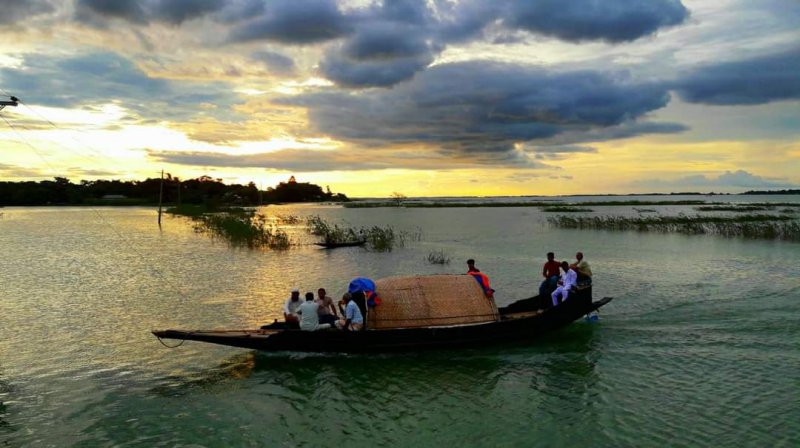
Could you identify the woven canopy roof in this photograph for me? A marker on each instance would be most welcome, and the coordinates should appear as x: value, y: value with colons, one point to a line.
x: 431, y: 300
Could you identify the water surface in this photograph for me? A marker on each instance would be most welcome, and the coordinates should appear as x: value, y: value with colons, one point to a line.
x: 701, y: 346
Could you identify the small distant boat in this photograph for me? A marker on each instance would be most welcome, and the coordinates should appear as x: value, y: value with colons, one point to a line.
x: 416, y: 313
x: 333, y: 245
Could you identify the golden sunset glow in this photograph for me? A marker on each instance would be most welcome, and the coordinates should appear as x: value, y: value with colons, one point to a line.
x: 437, y: 99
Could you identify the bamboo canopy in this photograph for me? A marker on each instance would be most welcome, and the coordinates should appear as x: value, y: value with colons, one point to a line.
x: 432, y: 300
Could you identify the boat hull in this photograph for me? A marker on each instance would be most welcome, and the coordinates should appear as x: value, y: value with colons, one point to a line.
x: 517, y: 324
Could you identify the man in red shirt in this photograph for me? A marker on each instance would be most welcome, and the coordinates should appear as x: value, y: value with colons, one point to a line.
x: 551, y: 273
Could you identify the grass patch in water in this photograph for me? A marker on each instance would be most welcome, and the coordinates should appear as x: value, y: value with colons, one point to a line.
x: 553, y: 203
x: 734, y: 208
x: 638, y: 202
x: 289, y: 219
x: 411, y: 204
x: 747, y: 226
x: 192, y: 211
x: 565, y: 209
x: 438, y: 257
x: 240, y: 227
x: 380, y: 239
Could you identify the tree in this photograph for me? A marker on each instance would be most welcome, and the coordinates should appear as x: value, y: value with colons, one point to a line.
x: 398, y: 198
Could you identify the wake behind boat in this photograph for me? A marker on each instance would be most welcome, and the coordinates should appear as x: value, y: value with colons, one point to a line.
x: 416, y: 313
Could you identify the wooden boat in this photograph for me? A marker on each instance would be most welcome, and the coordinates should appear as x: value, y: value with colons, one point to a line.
x: 334, y: 245
x: 395, y: 327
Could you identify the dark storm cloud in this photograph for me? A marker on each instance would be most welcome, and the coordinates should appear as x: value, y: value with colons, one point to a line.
x: 275, y: 62
x: 385, y: 43
x: 581, y: 20
x: 575, y: 20
x: 99, y: 78
x: 297, y: 160
x: 754, y: 81
x: 178, y: 11
x: 392, y: 42
x: 352, y: 159
x: 79, y: 80
x: 377, y: 56
x: 87, y: 11
x: 295, y: 22
x: 628, y: 129
x: 482, y: 107
x: 12, y: 11
x: 237, y: 10
x: 175, y: 12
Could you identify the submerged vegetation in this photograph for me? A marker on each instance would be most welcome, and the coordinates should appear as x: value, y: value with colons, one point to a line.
x: 409, y: 203
x: 734, y: 208
x: 747, y: 226
x: 413, y: 204
x: 565, y: 209
x: 438, y: 257
x: 239, y: 226
x: 380, y: 239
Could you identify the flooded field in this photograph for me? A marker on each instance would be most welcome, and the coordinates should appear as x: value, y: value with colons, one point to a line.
x: 700, y: 346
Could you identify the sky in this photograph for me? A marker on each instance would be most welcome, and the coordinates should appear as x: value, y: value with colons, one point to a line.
x: 419, y: 97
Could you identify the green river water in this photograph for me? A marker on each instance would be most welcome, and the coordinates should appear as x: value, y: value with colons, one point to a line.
x: 700, y: 347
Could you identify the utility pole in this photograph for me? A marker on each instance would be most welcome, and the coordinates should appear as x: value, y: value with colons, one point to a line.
x: 160, y: 198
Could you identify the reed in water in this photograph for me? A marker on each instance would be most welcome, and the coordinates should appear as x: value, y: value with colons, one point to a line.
x: 438, y: 257
x: 240, y: 227
x: 748, y: 226
x: 380, y: 239
x: 565, y: 209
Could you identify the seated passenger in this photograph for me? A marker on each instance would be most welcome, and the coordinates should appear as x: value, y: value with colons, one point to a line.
x: 583, y: 269
x: 290, y: 309
x: 327, y: 312
x: 480, y: 277
x: 309, y: 319
x: 566, y: 284
x: 353, y: 319
x: 345, y: 297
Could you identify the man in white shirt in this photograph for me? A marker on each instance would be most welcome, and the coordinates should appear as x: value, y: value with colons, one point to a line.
x: 290, y: 308
x: 567, y: 283
x: 309, y: 319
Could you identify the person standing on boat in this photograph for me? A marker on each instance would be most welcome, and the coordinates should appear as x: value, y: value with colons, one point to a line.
x: 309, y: 319
x: 551, y: 274
x: 566, y: 285
x: 353, y: 319
x: 290, y: 308
x: 327, y: 311
x: 583, y: 269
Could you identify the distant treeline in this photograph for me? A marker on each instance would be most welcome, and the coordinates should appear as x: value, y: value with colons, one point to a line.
x: 203, y: 190
x: 772, y: 192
